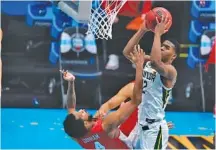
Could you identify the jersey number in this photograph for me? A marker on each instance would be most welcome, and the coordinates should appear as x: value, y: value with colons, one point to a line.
x: 98, y: 145
x: 144, y: 85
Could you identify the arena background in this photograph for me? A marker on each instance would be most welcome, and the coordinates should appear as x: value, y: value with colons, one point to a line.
x: 31, y: 79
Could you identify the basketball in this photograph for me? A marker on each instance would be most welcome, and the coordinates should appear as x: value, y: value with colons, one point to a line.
x: 157, y: 12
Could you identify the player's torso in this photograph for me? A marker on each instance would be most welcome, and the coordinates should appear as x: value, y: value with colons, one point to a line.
x: 127, y: 126
x: 154, y: 96
x: 98, y: 139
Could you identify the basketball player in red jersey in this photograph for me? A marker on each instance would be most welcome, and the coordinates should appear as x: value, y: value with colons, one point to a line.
x: 95, y: 133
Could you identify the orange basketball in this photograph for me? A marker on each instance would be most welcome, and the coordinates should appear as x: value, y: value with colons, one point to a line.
x: 157, y: 12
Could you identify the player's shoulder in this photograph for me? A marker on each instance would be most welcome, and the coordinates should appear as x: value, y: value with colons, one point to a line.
x: 173, y: 71
x: 129, y: 85
x: 172, y: 67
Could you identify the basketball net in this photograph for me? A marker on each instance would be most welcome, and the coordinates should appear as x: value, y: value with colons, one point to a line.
x: 102, y: 18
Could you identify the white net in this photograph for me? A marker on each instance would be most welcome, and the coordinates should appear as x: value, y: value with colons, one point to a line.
x: 102, y: 18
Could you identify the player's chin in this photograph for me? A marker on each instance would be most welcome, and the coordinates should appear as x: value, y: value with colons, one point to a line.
x: 163, y: 56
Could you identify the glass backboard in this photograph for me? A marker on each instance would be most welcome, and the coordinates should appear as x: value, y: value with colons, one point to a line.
x: 80, y: 10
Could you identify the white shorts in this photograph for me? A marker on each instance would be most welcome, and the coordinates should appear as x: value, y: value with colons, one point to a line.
x: 132, y: 139
x: 156, y: 137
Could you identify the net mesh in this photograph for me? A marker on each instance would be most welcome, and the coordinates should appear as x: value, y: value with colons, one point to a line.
x: 102, y: 18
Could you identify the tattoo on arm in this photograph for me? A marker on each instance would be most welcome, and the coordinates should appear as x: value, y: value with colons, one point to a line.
x: 71, y: 95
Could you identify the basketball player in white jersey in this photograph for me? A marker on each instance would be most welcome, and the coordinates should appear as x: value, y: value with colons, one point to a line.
x: 159, y: 77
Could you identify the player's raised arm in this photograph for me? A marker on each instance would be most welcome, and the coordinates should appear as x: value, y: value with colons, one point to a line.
x: 166, y: 70
x: 71, y: 94
x: 135, y: 40
x: 114, y: 119
x: 124, y: 93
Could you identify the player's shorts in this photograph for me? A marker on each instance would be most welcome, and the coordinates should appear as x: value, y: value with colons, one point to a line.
x: 132, y: 139
x: 153, y: 136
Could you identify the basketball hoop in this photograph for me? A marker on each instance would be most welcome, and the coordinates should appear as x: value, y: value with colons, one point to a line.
x: 102, y: 18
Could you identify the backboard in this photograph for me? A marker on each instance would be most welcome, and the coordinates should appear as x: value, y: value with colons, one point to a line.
x: 79, y: 10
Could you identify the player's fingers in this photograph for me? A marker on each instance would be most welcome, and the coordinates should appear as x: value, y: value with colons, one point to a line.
x: 170, y: 125
x: 131, y: 55
x: 135, y: 53
x: 163, y: 18
x: 61, y: 71
x: 166, y: 19
x: 157, y: 20
x: 139, y: 51
x: 142, y: 52
x: 165, y: 31
x: 65, y: 73
x: 102, y: 114
x: 167, y: 24
x: 138, y: 47
x: 135, y: 47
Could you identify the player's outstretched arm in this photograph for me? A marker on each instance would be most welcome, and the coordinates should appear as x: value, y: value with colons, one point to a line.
x: 71, y: 94
x: 124, y: 93
x: 167, y: 71
x: 135, y: 40
x: 114, y: 119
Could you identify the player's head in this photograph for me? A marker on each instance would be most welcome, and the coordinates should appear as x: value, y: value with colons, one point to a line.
x: 77, y: 124
x: 169, y: 50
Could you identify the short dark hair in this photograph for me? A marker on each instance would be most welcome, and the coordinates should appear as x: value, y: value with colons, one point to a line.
x: 176, y: 44
x: 74, y: 127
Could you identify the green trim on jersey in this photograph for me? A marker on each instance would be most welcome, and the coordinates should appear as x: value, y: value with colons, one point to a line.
x: 158, y: 143
x: 165, y: 95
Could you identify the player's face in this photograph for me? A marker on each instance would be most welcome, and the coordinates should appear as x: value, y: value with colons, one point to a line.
x: 167, y: 51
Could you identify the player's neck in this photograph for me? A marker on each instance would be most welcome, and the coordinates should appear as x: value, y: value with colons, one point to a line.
x: 167, y: 62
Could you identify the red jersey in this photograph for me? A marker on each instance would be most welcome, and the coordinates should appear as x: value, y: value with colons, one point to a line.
x: 97, y: 138
x: 129, y: 124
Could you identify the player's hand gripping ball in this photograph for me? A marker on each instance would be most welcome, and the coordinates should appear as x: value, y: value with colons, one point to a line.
x: 158, y: 12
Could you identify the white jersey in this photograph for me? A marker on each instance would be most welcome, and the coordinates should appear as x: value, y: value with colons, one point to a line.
x: 154, y: 96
